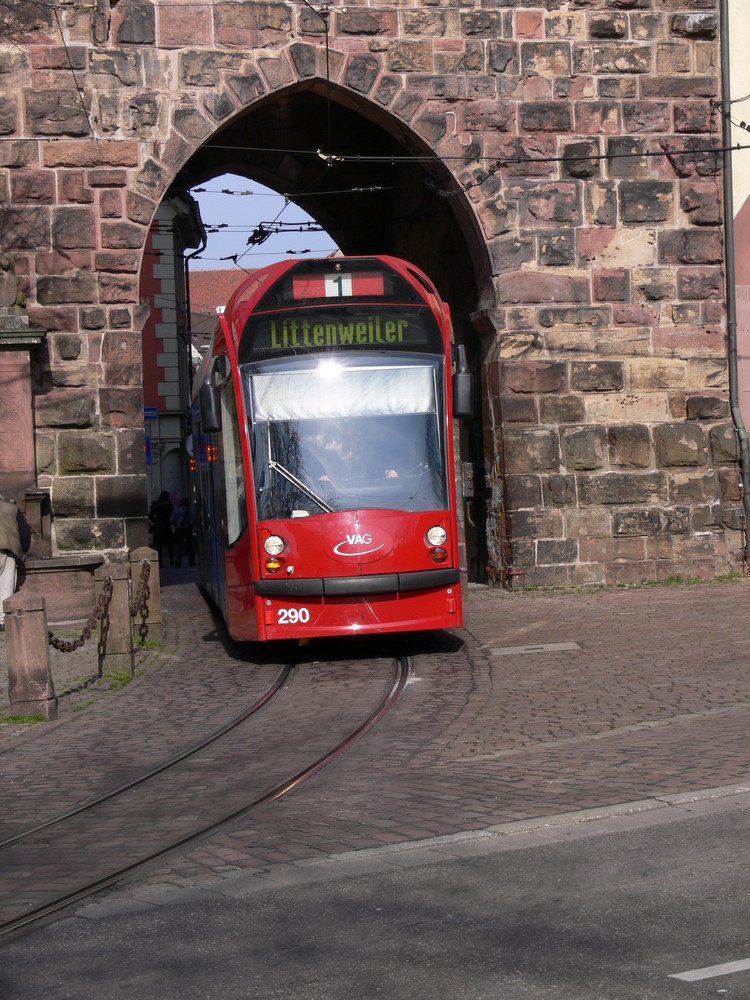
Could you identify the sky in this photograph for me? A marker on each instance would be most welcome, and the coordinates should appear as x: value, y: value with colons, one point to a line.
x: 232, y: 208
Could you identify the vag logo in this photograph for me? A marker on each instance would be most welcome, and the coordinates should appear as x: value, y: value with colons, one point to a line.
x: 364, y: 546
x: 365, y: 539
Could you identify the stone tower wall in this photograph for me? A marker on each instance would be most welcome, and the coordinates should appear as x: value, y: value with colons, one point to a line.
x: 578, y: 130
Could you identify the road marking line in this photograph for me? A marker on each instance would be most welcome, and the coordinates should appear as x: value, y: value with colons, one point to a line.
x: 713, y: 970
x: 537, y: 647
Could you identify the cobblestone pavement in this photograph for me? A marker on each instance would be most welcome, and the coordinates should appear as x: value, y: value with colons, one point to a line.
x: 543, y: 703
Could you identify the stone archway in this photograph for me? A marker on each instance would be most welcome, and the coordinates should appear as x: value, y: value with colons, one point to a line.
x: 574, y: 147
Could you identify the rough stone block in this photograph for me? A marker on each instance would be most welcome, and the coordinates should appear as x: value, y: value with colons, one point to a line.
x: 74, y: 228
x: 536, y: 523
x: 518, y: 410
x: 85, y: 453
x: 682, y: 444
x: 704, y: 407
x: 724, y: 444
x: 693, y: 487
x: 65, y: 408
x: 539, y: 287
x: 597, y: 376
x: 73, y: 496
x: 629, y: 445
x: 622, y: 488
x: 552, y: 551
x: 559, y: 490
x: 55, y: 113
x: 700, y: 24
x: 531, y: 451
x: 121, y: 496
x: 583, y: 448
x: 646, y: 201
x: 545, y: 116
x: 523, y: 491
x: 534, y: 376
x: 610, y: 284
x: 561, y: 409
x: 76, y: 534
x: 60, y: 290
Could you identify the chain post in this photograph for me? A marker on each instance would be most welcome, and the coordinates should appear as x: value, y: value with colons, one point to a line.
x: 116, y: 652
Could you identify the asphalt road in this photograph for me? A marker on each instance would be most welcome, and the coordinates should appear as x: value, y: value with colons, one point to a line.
x: 588, y: 915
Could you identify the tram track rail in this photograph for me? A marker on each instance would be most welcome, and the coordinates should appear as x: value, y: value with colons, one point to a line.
x: 47, y: 910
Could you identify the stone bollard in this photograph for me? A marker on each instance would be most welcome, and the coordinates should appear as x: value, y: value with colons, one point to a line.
x: 116, y: 653
x: 31, y: 690
x: 154, y: 619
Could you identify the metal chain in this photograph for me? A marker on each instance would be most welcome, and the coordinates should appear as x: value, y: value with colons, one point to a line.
x: 70, y: 645
x: 140, y: 605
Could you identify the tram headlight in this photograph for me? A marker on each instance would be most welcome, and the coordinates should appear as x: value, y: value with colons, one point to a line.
x: 436, y: 535
x: 274, y: 545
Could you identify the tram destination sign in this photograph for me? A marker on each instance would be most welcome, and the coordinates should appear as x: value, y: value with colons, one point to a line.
x: 349, y: 328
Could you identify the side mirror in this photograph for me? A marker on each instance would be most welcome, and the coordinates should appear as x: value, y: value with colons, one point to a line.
x: 463, y: 386
x: 210, y: 407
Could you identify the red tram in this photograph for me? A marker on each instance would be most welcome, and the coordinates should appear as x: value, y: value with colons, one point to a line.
x: 325, y: 452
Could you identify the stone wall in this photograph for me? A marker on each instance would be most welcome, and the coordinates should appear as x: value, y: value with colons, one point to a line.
x: 571, y: 136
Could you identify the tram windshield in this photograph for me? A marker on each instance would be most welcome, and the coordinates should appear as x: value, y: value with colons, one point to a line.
x: 337, y: 433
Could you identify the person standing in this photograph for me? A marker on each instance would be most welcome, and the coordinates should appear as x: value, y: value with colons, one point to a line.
x: 15, y: 542
x: 159, y: 519
x: 182, y: 530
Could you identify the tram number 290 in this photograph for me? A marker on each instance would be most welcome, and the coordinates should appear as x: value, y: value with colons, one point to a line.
x: 293, y: 616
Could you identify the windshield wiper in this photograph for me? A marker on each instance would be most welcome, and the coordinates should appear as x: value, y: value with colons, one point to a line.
x: 303, y: 487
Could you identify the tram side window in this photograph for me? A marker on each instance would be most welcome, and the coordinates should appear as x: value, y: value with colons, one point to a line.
x: 234, y: 480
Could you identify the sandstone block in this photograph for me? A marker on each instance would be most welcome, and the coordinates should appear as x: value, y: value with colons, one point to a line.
x: 687, y: 246
x: 623, y: 157
x: 523, y: 491
x: 597, y: 376
x: 410, y: 57
x: 33, y: 187
x: 60, y: 290
x: 131, y: 450
x: 551, y: 551
x: 534, y: 376
x: 73, y: 496
x: 531, y: 451
x: 646, y: 201
x: 583, y: 448
x: 624, y: 407
x: 65, y: 408
x: 74, y: 228
x: 682, y: 444
x: 55, y: 113
x: 629, y: 445
x: 559, y: 490
x: 622, y: 488
x: 724, y: 444
x: 651, y: 521
x: 545, y: 116
x: 561, y: 410
x: 700, y: 283
x: 658, y: 373
x: 701, y: 24
x: 76, y: 534
x: 692, y: 487
x: 608, y: 25
x: 85, y: 453
x: 647, y: 117
x: 518, y: 410
x: 704, y: 407
x: 121, y: 496
x: 581, y: 159
x: 528, y: 287
x: 623, y: 57
x: 535, y: 523
x: 121, y: 406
